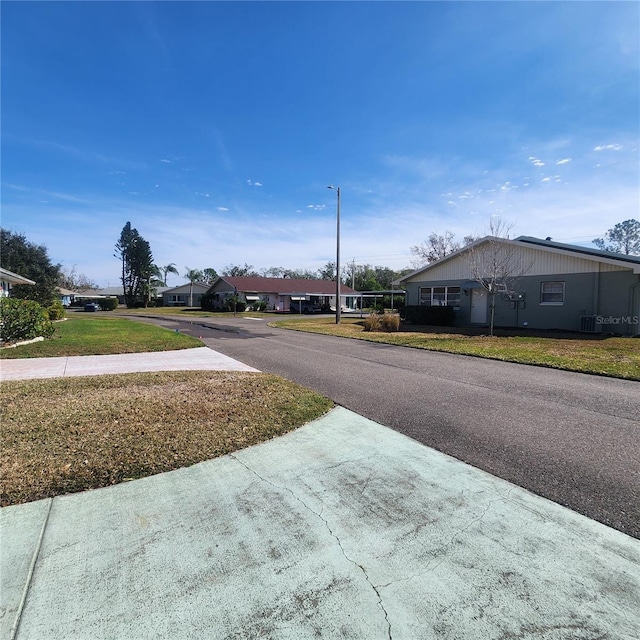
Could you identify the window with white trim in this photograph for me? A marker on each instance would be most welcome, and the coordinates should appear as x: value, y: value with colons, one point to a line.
x: 552, y: 292
x: 439, y: 296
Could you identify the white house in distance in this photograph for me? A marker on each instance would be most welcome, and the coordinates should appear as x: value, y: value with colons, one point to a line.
x: 9, y: 280
x: 279, y: 293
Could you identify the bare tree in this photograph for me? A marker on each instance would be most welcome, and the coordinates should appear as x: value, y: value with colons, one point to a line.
x: 496, y: 264
x: 436, y: 247
x: 69, y: 278
x: 239, y: 270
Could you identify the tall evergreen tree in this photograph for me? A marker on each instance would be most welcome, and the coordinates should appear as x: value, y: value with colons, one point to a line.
x: 30, y: 260
x: 134, y: 252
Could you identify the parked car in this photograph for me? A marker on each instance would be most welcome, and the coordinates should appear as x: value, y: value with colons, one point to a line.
x: 307, y: 307
x: 91, y: 306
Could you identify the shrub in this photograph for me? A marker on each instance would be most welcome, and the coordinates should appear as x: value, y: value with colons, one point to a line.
x: 372, y: 322
x: 260, y: 305
x: 108, y: 304
x: 23, y: 320
x: 390, y: 322
x: 206, y: 301
x: 239, y: 305
x: 55, y: 310
x: 438, y: 316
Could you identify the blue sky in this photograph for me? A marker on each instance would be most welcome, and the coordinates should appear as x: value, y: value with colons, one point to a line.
x: 215, y: 127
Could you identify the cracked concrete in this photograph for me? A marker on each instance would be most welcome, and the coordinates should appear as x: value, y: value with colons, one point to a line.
x: 328, y: 526
x: 341, y: 529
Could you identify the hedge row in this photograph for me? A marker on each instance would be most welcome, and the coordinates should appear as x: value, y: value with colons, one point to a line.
x: 437, y: 316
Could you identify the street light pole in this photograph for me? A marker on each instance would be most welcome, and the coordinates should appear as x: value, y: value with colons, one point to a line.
x: 338, y: 309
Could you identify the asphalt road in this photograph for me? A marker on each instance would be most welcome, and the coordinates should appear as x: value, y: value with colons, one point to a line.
x: 572, y: 438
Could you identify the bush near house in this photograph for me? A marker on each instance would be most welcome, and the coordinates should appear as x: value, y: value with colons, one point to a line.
x: 372, y: 322
x: 109, y: 304
x: 388, y: 322
x: 23, y: 320
x: 206, y: 302
x: 260, y: 305
x: 56, y: 310
x: 437, y: 316
x: 239, y: 305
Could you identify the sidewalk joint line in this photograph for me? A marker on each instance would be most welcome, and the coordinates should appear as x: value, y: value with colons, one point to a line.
x: 16, y: 624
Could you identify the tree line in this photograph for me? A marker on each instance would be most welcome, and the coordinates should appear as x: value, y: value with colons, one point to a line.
x: 140, y: 276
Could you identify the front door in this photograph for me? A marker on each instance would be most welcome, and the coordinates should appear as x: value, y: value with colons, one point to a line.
x: 478, y: 306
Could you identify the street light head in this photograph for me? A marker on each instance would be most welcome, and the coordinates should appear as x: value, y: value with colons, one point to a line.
x: 330, y: 187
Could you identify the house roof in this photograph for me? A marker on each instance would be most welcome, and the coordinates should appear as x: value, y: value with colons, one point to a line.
x: 110, y: 291
x: 584, y: 251
x: 285, y: 286
x: 198, y: 287
x: 14, y: 278
x: 597, y: 255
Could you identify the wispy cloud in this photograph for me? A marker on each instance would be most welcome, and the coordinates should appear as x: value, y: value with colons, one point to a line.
x: 564, y: 161
x: 608, y: 147
x: 38, y: 193
x: 86, y: 155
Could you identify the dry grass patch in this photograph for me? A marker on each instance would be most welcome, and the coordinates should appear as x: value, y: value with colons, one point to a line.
x: 610, y: 356
x: 72, y: 434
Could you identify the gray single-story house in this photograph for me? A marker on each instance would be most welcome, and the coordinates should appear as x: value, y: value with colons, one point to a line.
x: 186, y: 295
x: 8, y: 279
x: 278, y: 293
x: 544, y: 285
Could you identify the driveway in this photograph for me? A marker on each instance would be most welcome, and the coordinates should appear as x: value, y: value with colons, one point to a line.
x: 340, y: 529
x: 570, y: 437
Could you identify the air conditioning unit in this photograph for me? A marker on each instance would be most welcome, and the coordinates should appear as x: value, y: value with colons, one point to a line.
x: 589, y: 324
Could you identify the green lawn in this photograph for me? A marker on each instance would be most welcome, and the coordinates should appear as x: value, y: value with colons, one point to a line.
x: 609, y: 356
x: 72, y: 434
x: 82, y: 335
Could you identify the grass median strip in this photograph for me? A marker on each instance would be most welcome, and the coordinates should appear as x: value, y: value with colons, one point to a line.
x: 72, y: 434
x: 610, y: 356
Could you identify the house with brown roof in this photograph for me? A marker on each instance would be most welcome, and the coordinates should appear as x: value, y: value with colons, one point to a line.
x: 280, y: 294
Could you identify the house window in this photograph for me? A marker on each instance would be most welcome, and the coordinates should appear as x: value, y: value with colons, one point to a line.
x: 425, y: 296
x: 440, y: 296
x: 552, y: 293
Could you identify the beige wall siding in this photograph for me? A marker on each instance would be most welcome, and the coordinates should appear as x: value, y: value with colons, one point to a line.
x: 533, y: 262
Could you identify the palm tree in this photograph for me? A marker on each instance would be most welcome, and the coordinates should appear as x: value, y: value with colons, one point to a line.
x: 170, y: 268
x: 192, y: 275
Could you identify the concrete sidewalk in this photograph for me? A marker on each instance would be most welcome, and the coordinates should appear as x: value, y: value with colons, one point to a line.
x: 200, y: 358
x: 341, y: 529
